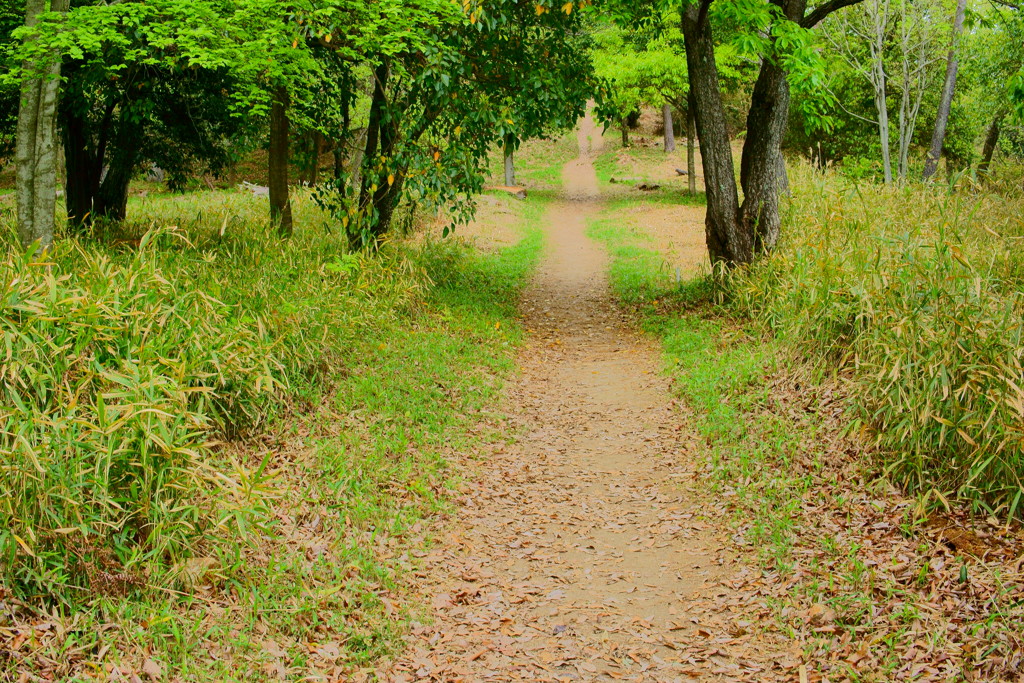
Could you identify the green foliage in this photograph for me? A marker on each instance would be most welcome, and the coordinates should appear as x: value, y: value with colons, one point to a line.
x: 11, y: 17
x: 916, y: 294
x: 122, y: 369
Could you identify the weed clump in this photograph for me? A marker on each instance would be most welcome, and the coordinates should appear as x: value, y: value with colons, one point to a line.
x: 124, y: 368
x: 916, y: 294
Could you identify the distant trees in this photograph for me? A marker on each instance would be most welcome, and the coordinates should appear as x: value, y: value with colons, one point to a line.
x: 885, y: 72
x: 931, y: 163
x: 409, y: 95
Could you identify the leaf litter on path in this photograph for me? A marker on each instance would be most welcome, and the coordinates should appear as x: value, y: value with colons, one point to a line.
x: 582, y: 551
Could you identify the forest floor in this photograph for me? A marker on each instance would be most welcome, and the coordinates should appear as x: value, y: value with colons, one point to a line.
x: 581, y: 551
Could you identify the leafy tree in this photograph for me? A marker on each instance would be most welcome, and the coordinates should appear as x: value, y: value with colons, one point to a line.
x: 488, y: 72
x: 779, y: 32
x: 12, y: 16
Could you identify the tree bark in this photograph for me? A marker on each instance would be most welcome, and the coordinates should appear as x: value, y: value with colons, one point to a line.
x: 373, y: 131
x: 728, y: 242
x: 625, y: 134
x: 36, y: 143
x: 510, y: 166
x: 763, y: 174
x: 991, y: 140
x: 78, y: 164
x: 280, y: 204
x: 691, y: 145
x: 670, y: 133
x: 314, y: 171
x: 931, y: 163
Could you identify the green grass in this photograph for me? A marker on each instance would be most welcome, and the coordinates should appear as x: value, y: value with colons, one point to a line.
x: 538, y: 162
x: 297, y: 405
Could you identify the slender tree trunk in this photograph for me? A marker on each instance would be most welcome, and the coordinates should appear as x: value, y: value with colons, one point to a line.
x: 727, y: 240
x: 314, y: 171
x: 946, y: 100
x: 691, y: 148
x: 280, y: 204
x: 883, y: 123
x: 110, y: 200
x: 991, y: 140
x: 670, y: 133
x: 625, y: 133
x: 373, y: 131
x: 356, y: 163
x: 36, y: 148
x: 510, y: 166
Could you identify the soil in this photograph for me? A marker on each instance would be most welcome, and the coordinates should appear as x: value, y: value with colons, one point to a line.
x: 580, y: 551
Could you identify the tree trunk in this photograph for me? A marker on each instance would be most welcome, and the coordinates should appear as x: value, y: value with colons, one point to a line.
x: 510, y: 167
x: 314, y: 171
x: 373, y: 130
x: 389, y: 185
x: 670, y: 133
x: 762, y: 169
x: 727, y: 240
x: 691, y: 145
x: 78, y: 165
x: 280, y: 204
x: 36, y: 149
x: 110, y: 200
x: 991, y: 140
x: 625, y: 133
x: 931, y: 163
x: 883, y: 134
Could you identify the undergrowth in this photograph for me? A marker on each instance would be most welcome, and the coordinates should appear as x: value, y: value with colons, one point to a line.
x: 916, y: 293
x: 227, y: 437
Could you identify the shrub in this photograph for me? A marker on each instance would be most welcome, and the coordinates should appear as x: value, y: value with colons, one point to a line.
x: 915, y: 293
x: 123, y: 364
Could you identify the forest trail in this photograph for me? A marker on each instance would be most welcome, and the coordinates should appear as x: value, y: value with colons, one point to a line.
x: 579, y: 552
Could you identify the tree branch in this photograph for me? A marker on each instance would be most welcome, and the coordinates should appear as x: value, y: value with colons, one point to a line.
x: 822, y: 11
x: 702, y: 16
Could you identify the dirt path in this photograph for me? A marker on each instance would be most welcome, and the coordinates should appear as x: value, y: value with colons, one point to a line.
x: 580, y: 552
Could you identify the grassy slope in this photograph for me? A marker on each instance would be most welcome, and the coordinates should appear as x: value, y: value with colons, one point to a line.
x: 306, y: 576
x: 829, y: 533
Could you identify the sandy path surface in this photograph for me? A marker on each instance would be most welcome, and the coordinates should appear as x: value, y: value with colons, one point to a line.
x: 580, y: 552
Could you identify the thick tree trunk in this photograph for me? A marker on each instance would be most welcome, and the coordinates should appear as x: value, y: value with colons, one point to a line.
x: 510, y: 166
x: 280, y: 204
x: 931, y: 162
x: 36, y: 148
x: 670, y: 133
x: 728, y: 241
x: 991, y: 140
x: 691, y: 148
x: 762, y: 169
x: 79, y: 168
